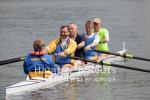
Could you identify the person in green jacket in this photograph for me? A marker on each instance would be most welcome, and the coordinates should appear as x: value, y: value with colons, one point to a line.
x: 103, y: 34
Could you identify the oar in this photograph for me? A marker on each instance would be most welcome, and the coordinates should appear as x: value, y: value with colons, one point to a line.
x: 110, y: 64
x: 123, y: 55
x: 3, y: 62
x: 13, y: 60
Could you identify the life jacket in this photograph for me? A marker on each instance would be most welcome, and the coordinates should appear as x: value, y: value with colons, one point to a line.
x: 62, y: 60
x: 90, y: 53
x: 38, y: 61
x: 40, y: 72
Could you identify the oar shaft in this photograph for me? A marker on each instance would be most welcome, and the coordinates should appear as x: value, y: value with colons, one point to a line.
x: 141, y: 58
x: 3, y: 62
x: 124, y: 55
x: 128, y: 67
x: 111, y: 64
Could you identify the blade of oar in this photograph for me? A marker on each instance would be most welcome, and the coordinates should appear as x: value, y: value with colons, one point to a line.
x: 111, y: 64
x: 4, y: 62
x: 124, y: 55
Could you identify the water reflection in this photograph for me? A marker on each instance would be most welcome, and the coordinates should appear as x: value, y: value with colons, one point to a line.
x: 70, y: 92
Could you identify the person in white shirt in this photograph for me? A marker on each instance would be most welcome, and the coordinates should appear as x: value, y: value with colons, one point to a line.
x: 91, y: 40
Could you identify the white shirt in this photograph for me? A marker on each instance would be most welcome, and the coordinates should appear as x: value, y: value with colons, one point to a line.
x: 97, y: 39
x: 64, y: 42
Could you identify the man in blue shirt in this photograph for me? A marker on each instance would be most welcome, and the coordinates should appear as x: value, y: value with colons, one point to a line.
x: 38, y: 63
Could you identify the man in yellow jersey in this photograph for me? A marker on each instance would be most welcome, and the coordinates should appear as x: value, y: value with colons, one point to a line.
x: 63, y: 46
x: 103, y: 35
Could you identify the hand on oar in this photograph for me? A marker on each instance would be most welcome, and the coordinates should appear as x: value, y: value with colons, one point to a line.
x: 124, y: 55
x: 4, y: 62
x: 111, y: 64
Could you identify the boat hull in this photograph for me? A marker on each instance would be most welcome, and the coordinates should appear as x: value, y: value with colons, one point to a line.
x: 41, y: 83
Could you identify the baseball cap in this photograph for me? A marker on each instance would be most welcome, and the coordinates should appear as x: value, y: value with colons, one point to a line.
x: 97, y: 20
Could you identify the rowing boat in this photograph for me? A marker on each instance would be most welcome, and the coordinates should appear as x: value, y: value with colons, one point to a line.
x: 40, y: 83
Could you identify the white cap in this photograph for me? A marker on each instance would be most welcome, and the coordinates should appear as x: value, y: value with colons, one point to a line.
x: 97, y: 20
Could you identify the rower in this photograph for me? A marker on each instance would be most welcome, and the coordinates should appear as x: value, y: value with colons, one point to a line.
x: 63, y: 46
x: 80, y: 43
x: 103, y: 35
x: 78, y: 39
x: 91, y: 40
x: 38, y: 63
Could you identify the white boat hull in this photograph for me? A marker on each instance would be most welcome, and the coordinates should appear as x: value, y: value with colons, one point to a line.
x: 41, y: 83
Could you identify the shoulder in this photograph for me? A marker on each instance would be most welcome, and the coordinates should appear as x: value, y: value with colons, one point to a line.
x: 28, y: 56
x: 104, y: 30
x: 72, y: 41
x: 56, y: 40
x: 95, y: 36
x: 79, y: 37
x: 47, y: 56
x: 53, y: 42
x: 83, y: 35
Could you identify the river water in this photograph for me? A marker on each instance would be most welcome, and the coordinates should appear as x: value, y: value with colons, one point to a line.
x: 22, y: 21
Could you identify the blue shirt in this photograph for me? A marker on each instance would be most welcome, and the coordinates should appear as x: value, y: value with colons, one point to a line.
x: 39, y: 63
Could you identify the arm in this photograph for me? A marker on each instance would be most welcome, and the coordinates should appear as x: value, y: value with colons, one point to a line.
x: 93, y: 44
x: 107, y: 36
x: 71, y: 47
x: 52, y: 45
x: 80, y: 45
x: 25, y: 65
x: 80, y: 41
x: 25, y: 69
x: 54, y: 67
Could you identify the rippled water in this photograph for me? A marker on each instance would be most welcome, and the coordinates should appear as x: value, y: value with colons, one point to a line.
x: 22, y: 21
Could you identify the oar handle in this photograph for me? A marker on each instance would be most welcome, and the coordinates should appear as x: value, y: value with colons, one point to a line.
x: 83, y: 59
